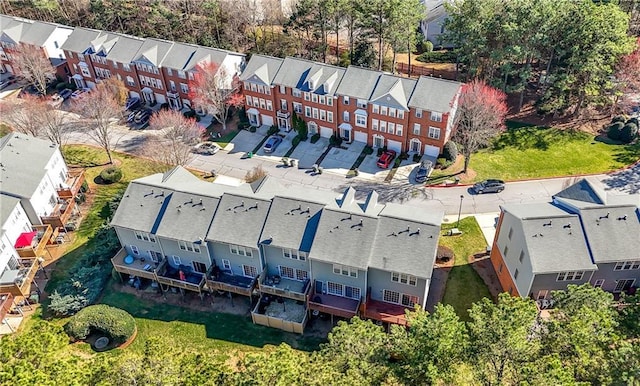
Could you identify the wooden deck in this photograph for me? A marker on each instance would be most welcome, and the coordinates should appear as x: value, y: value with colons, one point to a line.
x: 72, y: 185
x: 275, y: 322
x: 18, y: 281
x: 61, y: 213
x: 292, y: 289
x: 385, y: 312
x: 45, y: 234
x: 334, y: 305
x: 6, y: 302
x: 195, y: 280
x: 137, y: 268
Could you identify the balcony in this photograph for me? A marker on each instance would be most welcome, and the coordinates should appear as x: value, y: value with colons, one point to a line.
x: 6, y: 302
x: 284, y: 314
x: 219, y: 280
x: 385, y: 312
x: 72, y: 186
x: 61, y: 213
x: 183, y: 277
x: 334, y: 305
x: 34, y: 244
x: 288, y: 288
x: 124, y: 263
x: 18, y: 281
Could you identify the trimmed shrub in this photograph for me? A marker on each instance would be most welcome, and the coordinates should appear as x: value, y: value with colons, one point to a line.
x: 368, y: 150
x: 629, y: 132
x: 397, y: 162
x: 164, y: 106
x: 437, y: 57
x: 403, y: 156
x: 450, y: 151
x: 618, y: 118
x: 416, y: 157
x: 189, y: 114
x: 614, y: 130
x: 315, y: 138
x: 252, y: 129
x: 273, y: 130
x: 443, y: 163
x: 295, y: 141
x: 335, y: 140
x: 111, y: 174
x: 118, y: 325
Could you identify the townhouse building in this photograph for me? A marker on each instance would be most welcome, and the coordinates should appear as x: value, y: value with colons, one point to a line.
x: 355, y: 104
x: 45, y: 37
x: 294, y: 252
x: 583, y: 236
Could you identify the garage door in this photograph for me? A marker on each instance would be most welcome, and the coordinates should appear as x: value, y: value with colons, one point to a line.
x: 394, y: 145
x: 360, y: 136
x: 432, y: 151
x: 161, y: 98
x: 326, y: 132
x: 267, y: 119
x: 134, y: 94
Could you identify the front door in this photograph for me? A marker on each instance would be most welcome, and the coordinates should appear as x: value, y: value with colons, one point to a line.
x: 378, y: 142
x: 623, y: 285
x: 415, y: 146
x: 175, y: 104
x: 283, y: 123
x: 148, y: 97
x: 253, y: 119
x: 345, y: 134
x: 542, y: 294
x: 199, y: 267
x: 318, y: 287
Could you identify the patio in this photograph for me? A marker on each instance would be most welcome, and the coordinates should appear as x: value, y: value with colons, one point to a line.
x: 127, y: 264
x: 385, y: 312
x: 292, y: 289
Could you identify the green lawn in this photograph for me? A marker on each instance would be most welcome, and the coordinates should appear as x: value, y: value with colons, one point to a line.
x: 464, y: 285
x: 532, y: 152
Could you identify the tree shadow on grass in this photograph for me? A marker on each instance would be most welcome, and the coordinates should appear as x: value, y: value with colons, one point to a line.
x: 539, y: 138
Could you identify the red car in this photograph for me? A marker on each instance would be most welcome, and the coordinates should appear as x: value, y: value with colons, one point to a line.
x: 386, y: 159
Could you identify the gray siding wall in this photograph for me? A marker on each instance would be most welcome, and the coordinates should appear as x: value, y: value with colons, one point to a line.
x: 274, y: 257
x: 605, y: 271
x: 379, y: 280
x: 128, y: 238
x: 171, y: 248
x: 221, y: 251
x: 549, y: 282
x: 324, y: 272
x: 512, y: 257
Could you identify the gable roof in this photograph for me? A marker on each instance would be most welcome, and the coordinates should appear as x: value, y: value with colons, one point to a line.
x: 358, y: 82
x: 393, y: 91
x: 435, y: 94
x: 613, y: 232
x: 12, y: 29
x: 7, y: 206
x: 178, y: 56
x: 261, y: 69
x: 187, y: 217
x: 80, y: 39
x: 553, y: 238
x: 582, y: 193
x: 39, y: 32
x: 291, y: 223
x: 239, y: 220
x: 142, y: 207
x: 153, y: 51
x: 406, y: 244
x: 205, y: 54
x: 24, y: 160
x: 305, y: 75
x: 124, y: 49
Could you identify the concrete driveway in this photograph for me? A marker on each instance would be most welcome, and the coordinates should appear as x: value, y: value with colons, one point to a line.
x: 369, y: 170
x: 408, y: 169
x: 307, y: 153
x: 282, y: 148
x: 246, y: 141
x: 340, y: 160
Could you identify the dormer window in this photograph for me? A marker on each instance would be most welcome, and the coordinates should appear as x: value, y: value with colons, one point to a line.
x: 311, y: 84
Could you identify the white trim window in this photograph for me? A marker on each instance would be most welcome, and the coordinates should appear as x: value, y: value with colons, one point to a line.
x: 187, y: 246
x: 307, y: 96
x: 242, y: 251
x: 570, y: 276
x: 323, y: 115
x: 307, y: 111
x: 315, y: 112
x: 283, y: 104
x: 184, y: 88
x: 361, y: 120
x: 400, y: 298
x: 401, y: 114
x: 314, y: 98
x: 126, y: 67
x: 345, y: 270
x: 403, y: 278
x: 294, y: 254
x: 362, y: 104
x: 345, y: 100
x: 134, y: 249
x: 626, y: 265
x: 352, y: 292
x: 322, y: 100
x: 409, y: 300
x: 335, y: 288
x: 399, y: 129
x: 329, y: 101
x: 330, y: 116
x: 249, y: 270
x: 416, y: 129
x: 391, y: 296
x: 374, y: 124
x: 436, y: 117
x: 286, y: 272
x: 283, y: 89
x: 434, y: 132
x: 301, y: 275
x: 145, y: 236
x: 269, y: 105
x: 226, y: 264
x: 130, y: 81
x: 599, y: 283
x: 418, y: 113
x: 296, y: 93
x: 375, y: 109
x: 297, y: 107
x: 176, y: 260
x: 392, y: 112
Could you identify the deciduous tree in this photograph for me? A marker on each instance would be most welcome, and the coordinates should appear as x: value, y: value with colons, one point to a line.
x: 480, y: 117
x: 32, y: 64
x: 118, y: 89
x: 18, y: 113
x: 54, y: 124
x: 216, y: 90
x: 175, y: 136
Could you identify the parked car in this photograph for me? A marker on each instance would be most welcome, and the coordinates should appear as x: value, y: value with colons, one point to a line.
x: 66, y: 93
x: 6, y: 82
x: 142, y: 116
x: 271, y: 144
x: 56, y: 100
x: 132, y: 116
x: 132, y: 103
x: 489, y: 186
x: 79, y: 93
x: 206, y: 148
x: 386, y: 159
x: 423, y: 170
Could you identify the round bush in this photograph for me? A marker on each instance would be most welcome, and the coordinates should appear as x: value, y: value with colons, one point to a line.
x: 628, y: 132
x: 111, y: 174
x: 614, y: 130
x: 450, y: 151
x: 113, y: 322
x: 618, y: 118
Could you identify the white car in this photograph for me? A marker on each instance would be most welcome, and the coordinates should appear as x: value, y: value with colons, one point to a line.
x: 206, y: 148
x: 79, y: 93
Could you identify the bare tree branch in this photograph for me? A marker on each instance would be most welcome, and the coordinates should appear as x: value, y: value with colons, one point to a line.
x: 176, y: 136
x: 34, y: 66
x: 18, y: 113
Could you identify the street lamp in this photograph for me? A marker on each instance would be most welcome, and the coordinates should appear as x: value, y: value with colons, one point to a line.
x: 459, y: 211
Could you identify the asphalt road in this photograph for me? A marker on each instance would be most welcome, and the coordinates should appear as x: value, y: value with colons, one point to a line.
x: 450, y: 199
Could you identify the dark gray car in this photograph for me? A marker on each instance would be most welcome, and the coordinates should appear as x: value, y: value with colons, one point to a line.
x: 489, y: 186
x: 423, y: 171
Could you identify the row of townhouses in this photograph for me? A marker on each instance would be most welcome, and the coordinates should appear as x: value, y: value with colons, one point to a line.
x: 308, y: 249
x: 354, y: 103
x: 585, y: 235
x: 38, y: 198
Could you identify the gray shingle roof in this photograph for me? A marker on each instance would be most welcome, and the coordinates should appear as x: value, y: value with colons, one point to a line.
x: 344, y: 238
x: 7, y: 205
x: 613, y: 232
x: 558, y: 247
x: 153, y: 51
x: 239, y: 220
x: 37, y: 33
x: 302, y: 73
x: 12, y: 28
x: 291, y: 223
x: 206, y: 54
x: 125, y: 48
x: 180, y: 179
x: 403, y: 245
x: 187, y: 217
x: 393, y: 91
x: 142, y: 207
x: 24, y: 159
x: 358, y: 82
x: 179, y: 55
x: 434, y: 94
x: 583, y: 191
x: 80, y: 39
x: 261, y: 69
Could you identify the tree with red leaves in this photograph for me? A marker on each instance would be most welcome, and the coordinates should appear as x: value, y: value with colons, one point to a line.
x: 215, y: 90
x: 175, y: 136
x: 480, y: 117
